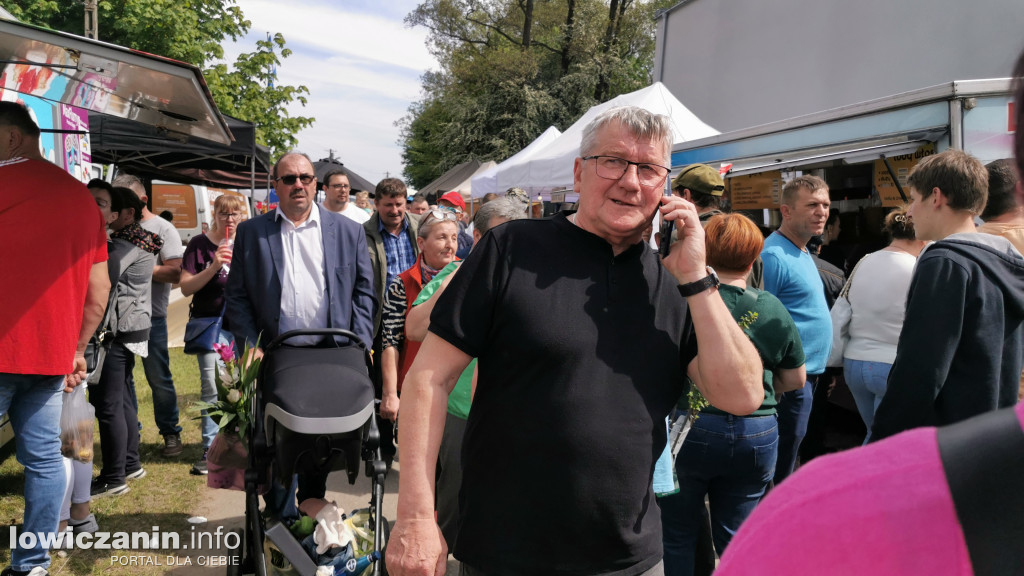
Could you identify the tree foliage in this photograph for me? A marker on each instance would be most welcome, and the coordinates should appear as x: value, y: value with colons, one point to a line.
x: 511, y: 68
x: 192, y: 31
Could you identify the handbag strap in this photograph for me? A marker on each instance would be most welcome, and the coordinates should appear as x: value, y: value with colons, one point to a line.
x: 983, y: 459
x: 846, y: 287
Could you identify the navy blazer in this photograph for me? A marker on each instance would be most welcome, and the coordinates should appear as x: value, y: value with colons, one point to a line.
x: 253, y: 293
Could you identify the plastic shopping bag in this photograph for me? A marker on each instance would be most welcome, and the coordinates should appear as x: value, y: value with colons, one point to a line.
x: 77, y: 419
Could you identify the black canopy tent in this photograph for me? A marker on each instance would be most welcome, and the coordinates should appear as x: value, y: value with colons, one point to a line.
x: 325, y: 165
x: 150, y: 152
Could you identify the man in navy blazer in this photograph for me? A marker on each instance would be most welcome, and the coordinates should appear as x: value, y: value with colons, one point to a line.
x: 259, y: 266
x: 299, y: 267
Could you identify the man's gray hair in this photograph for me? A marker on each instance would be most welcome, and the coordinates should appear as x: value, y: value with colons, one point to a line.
x: 273, y: 174
x: 639, y: 122
x: 127, y: 181
x: 502, y: 208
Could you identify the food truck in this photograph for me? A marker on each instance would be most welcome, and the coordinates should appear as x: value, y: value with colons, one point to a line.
x: 863, y: 151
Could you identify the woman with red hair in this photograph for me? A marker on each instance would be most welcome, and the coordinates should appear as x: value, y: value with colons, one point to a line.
x: 726, y: 457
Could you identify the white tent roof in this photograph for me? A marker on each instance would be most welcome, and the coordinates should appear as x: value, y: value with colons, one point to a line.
x: 550, y: 168
x: 487, y: 181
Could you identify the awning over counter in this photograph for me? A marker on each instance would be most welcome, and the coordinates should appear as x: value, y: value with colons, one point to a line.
x: 166, y: 94
x: 857, y: 139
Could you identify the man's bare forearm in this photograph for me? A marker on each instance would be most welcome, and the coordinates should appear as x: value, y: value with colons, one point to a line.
x: 729, y: 368
x: 169, y: 272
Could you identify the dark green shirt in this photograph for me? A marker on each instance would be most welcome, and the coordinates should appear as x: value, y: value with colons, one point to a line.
x: 773, y: 333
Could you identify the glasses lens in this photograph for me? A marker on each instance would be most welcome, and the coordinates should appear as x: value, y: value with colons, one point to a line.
x: 443, y: 214
x: 231, y: 216
x: 291, y: 178
x: 613, y: 168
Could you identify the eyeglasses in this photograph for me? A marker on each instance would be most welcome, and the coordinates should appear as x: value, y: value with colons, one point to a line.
x: 614, y: 168
x: 231, y: 216
x: 291, y: 178
x: 336, y: 186
x: 451, y: 209
x: 103, y: 204
x: 442, y: 214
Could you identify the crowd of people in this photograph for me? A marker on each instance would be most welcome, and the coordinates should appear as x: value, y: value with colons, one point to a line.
x: 534, y: 363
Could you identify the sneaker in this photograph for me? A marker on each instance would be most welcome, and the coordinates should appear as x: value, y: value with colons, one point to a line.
x: 172, y: 445
x: 37, y: 571
x: 87, y: 524
x: 100, y: 489
x: 140, y: 473
x: 199, y: 468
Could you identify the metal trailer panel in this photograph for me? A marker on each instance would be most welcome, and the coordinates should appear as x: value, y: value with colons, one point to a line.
x: 740, y: 63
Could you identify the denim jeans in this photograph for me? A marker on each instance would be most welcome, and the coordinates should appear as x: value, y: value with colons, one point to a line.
x: 209, y: 362
x: 729, y: 459
x: 34, y: 404
x: 158, y: 374
x: 867, y: 381
x: 794, y: 410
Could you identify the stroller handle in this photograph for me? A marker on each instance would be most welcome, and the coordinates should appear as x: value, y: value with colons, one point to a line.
x: 277, y: 342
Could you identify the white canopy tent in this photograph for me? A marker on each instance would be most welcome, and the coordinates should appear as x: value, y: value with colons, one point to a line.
x: 487, y: 181
x: 550, y: 168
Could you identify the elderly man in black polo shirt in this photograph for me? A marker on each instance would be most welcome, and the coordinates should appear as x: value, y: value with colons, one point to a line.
x: 559, y: 450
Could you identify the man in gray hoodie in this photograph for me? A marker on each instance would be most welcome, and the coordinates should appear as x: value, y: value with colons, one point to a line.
x: 962, y: 345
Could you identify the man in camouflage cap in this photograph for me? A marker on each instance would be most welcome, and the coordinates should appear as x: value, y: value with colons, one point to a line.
x: 702, y: 185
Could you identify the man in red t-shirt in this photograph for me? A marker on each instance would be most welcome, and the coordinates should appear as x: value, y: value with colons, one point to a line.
x: 55, y: 246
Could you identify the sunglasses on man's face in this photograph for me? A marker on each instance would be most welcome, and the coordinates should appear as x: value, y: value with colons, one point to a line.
x: 291, y: 178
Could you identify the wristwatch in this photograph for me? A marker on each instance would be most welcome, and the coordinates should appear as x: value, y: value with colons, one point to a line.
x: 709, y: 281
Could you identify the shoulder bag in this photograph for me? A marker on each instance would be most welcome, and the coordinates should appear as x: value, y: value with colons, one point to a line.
x: 841, y: 314
x: 201, y: 333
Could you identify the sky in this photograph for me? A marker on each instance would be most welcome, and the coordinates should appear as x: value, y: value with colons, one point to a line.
x: 362, y: 66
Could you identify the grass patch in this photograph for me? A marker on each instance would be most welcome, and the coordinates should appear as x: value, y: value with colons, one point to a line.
x: 166, y: 497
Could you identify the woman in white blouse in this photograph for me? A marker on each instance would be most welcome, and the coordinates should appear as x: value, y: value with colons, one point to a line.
x: 878, y: 296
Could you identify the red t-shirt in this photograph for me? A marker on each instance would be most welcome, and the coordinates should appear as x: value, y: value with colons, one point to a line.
x: 51, y: 233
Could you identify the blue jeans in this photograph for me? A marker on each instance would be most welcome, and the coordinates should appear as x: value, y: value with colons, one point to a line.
x: 794, y: 410
x: 158, y: 374
x: 34, y: 404
x: 729, y: 459
x: 867, y: 382
x: 209, y: 362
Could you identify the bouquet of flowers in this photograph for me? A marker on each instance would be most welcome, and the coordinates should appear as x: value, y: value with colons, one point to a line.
x: 227, y: 457
x: 236, y: 385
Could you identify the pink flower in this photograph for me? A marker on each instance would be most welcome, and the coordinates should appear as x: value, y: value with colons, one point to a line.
x: 226, y: 351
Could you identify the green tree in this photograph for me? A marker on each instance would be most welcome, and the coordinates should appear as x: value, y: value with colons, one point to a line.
x: 193, y: 31
x: 511, y: 68
x: 248, y: 91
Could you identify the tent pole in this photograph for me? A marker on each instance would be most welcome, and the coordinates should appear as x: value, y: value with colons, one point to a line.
x: 252, y: 175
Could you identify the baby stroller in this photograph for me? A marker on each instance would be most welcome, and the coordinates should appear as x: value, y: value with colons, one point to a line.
x: 313, y: 411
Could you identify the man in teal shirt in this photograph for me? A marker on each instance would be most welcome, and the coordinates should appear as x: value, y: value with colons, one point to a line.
x: 791, y: 276
x: 448, y: 476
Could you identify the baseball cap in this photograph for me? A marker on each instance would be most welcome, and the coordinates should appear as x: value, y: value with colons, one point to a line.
x: 700, y: 178
x: 455, y: 198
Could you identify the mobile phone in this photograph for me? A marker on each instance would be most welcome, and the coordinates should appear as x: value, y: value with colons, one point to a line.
x: 667, y: 226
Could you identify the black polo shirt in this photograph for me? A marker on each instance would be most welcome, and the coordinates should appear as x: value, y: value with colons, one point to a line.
x: 582, y: 354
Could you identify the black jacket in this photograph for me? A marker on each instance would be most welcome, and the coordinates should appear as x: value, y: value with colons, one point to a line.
x: 962, y: 344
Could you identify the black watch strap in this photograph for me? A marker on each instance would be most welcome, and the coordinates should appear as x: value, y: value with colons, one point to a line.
x: 709, y: 281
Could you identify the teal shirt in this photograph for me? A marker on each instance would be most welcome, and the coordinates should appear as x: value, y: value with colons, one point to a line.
x: 462, y: 395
